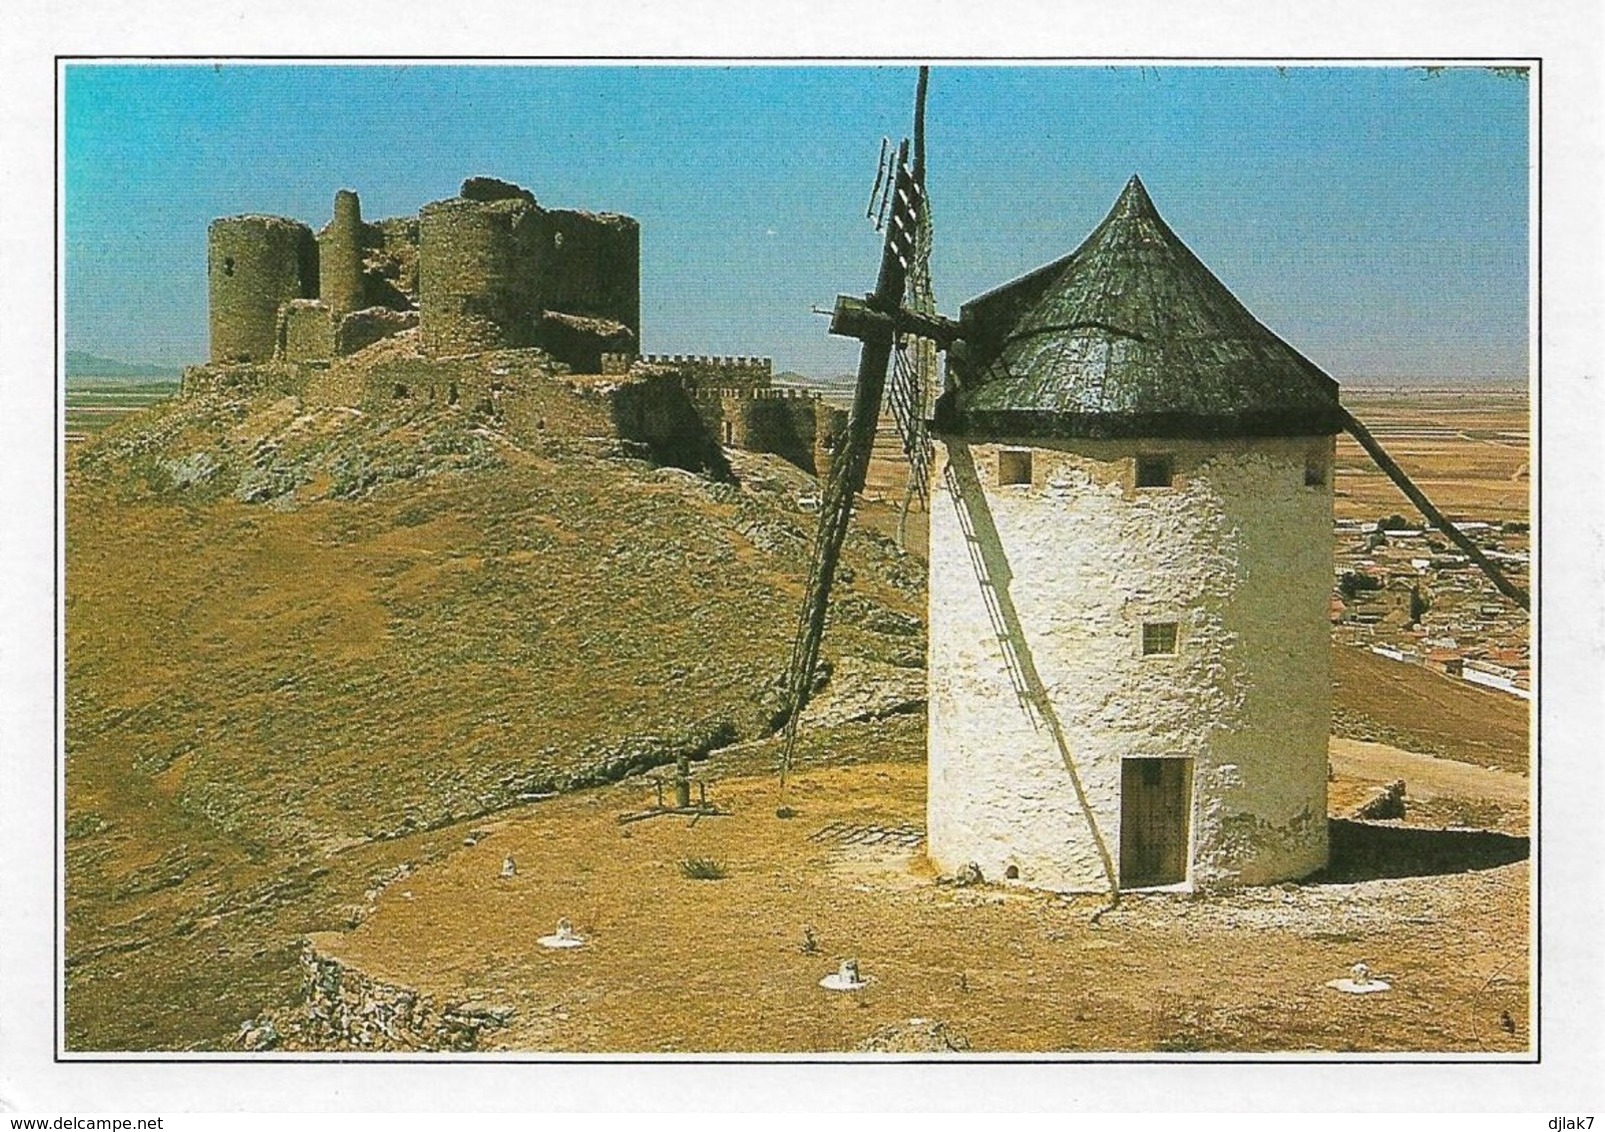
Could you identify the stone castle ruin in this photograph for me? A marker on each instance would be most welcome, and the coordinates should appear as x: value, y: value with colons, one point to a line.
x: 488, y: 270
x: 741, y: 407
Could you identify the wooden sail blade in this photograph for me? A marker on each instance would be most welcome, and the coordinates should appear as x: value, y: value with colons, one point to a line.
x: 852, y: 459
x: 846, y: 481
x: 912, y: 393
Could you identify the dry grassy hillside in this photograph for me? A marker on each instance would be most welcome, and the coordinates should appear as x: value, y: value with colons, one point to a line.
x: 298, y: 640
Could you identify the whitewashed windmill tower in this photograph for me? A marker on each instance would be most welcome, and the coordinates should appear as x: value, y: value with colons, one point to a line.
x: 1131, y: 558
x: 1131, y: 565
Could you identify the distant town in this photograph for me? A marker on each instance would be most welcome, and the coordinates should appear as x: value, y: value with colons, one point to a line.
x: 1405, y: 593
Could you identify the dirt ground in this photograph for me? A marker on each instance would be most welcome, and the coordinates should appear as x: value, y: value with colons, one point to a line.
x: 1414, y: 707
x: 674, y: 964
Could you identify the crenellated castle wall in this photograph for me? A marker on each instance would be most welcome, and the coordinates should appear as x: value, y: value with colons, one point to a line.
x: 716, y: 370
x: 741, y: 409
x: 830, y: 429
x: 794, y: 424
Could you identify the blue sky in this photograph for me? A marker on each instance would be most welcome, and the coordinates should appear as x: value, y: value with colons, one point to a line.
x: 1375, y: 217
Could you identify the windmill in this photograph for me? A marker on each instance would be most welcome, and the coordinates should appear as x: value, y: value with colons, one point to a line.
x: 1165, y: 357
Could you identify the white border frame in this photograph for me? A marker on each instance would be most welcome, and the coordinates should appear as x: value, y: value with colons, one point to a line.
x: 1565, y: 35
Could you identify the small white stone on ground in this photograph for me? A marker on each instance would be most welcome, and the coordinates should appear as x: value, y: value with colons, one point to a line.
x: 564, y: 937
x: 844, y: 978
x: 1359, y: 982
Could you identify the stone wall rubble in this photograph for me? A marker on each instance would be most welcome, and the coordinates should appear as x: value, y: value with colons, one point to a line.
x: 305, y: 332
x: 390, y: 263
x: 361, y: 329
x: 345, y: 1009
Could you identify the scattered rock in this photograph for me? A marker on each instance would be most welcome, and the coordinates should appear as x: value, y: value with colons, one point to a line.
x: 485, y: 1012
x: 917, y: 1035
x: 258, y: 1034
x: 345, y: 1009
x: 862, y: 689
x: 1388, y: 803
x: 196, y: 468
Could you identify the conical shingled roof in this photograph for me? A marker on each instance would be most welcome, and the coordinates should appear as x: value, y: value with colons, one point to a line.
x: 1129, y: 336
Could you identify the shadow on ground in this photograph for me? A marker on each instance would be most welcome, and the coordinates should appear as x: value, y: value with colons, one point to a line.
x: 1368, y: 851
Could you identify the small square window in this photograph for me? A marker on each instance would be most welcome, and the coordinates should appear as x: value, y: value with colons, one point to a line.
x: 1155, y: 471
x: 1158, y: 638
x: 1014, y: 466
x: 1315, y: 472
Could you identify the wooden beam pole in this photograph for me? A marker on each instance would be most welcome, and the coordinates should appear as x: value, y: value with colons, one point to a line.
x: 1437, y: 518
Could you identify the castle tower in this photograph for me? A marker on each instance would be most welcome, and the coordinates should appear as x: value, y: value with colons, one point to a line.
x: 1130, y: 564
x: 593, y: 266
x: 340, y: 256
x: 255, y: 263
x: 479, y: 269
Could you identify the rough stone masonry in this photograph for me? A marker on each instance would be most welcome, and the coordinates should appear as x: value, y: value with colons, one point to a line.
x: 489, y: 269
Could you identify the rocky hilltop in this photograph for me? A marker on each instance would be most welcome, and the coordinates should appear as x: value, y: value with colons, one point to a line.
x: 309, y: 636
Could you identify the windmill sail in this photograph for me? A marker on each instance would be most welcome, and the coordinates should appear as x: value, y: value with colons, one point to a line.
x: 898, y: 254
x: 912, y: 390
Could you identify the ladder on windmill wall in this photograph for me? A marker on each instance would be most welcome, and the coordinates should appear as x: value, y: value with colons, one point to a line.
x: 991, y: 595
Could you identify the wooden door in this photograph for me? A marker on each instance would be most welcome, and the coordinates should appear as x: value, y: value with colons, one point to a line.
x: 1155, y: 801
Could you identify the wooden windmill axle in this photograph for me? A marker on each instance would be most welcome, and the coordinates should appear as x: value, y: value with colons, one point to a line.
x: 856, y: 318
